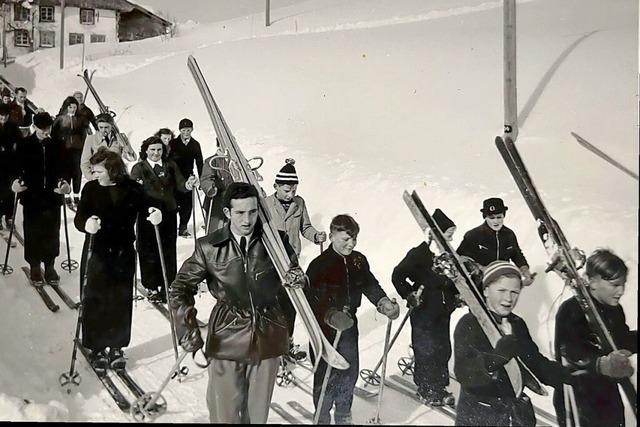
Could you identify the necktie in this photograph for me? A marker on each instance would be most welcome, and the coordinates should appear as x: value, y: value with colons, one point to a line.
x: 157, y: 169
x: 243, y: 245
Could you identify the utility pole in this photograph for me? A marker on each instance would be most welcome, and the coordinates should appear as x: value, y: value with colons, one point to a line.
x: 5, y: 7
x: 509, y: 69
x: 267, y: 14
x: 62, y: 34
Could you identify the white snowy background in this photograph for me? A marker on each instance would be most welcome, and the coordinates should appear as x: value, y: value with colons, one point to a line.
x: 371, y: 98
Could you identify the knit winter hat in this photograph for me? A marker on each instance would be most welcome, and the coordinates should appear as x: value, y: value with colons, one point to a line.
x: 42, y: 120
x: 443, y: 221
x: 185, y: 123
x: 5, y: 92
x: 497, y: 269
x: 287, y: 174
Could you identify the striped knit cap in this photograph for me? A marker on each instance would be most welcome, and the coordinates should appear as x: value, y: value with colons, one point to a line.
x: 497, y: 269
x: 287, y: 174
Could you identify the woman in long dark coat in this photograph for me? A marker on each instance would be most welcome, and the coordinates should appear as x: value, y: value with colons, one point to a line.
x: 108, y: 210
x: 160, y: 179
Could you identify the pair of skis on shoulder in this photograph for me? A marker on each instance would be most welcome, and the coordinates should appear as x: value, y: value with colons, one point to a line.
x: 44, y: 295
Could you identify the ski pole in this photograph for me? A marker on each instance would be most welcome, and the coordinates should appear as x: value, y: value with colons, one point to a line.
x: 370, y: 377
x: 184, y: 370
x: 68, y: 264
x: 595, y: 150
x: 206, y: 228
x: 193, y: 211
x: 6, y: 268
x: 73, y: 377
x: 146, y: 406
x: 325, y: 381
x: 200, y: 202
x: 376, y: 419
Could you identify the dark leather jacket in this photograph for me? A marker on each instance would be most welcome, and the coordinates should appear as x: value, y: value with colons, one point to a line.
x: 247, y: 289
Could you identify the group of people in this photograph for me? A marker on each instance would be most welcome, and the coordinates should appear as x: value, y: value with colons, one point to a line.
x: 251, y: 325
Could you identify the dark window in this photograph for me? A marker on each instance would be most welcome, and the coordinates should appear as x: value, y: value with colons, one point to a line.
x: 47, y: 38
x: 20, y: 13
x: 98, y: 38
x: 47, y: 13
x: 87, y: 16
x: 21, y: 38
x: 76, y: 38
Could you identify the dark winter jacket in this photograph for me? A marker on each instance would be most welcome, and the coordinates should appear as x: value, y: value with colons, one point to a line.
x: 485, y: 246
x: 86, y: 114
x: 19, y: 116
x: 160, y: 190
x: 439, y: 293
x: 71, y: 130
x: 185, y: 155
x: 597, y: 396
x: 41, y: 166
x: 244, y: 286
x: 337, y: 281
x: 10, y: 137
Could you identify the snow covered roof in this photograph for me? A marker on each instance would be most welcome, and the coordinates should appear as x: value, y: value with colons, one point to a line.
x: 120, y: 5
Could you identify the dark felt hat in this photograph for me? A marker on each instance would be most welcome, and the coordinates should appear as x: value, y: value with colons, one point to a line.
x: 42, y: 120
x: 493, y: 206
x: 185, y: 123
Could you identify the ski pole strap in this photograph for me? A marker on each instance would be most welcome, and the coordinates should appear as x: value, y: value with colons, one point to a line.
x: 198, y: 364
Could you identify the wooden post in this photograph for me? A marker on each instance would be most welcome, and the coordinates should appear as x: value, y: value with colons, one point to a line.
x: 509, y: 68
x: 4, y: 35
x: 62, y: 5
x: 267, y: 14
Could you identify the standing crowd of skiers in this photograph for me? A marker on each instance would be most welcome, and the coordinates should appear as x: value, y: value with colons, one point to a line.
x: 140, y: 214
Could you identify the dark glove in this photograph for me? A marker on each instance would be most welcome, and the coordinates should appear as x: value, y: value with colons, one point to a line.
x: 340, y: 320
x: 615, y: 364
x: 414, y: 299
x: 295, y: 278
x: 505, y: 350
x: 211, y: 192
x: 191, y: 341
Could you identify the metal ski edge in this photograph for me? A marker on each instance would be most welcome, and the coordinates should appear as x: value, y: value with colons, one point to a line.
x: 46, y: 298
x: 118, y: 397
x: 129, y: 382
x: 286, y: 415
x: 64, y: 296
x: 271, y: 239
x: 465, y: 286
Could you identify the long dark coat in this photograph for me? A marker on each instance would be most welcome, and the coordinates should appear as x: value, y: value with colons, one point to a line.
x: 108, y: 294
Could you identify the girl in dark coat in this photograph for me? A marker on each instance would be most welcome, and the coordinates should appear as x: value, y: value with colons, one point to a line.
x: 108, y: 210
x: 487, y: 397
x: 72, y: 129
x: 597, y: 397
x: 160, y: 179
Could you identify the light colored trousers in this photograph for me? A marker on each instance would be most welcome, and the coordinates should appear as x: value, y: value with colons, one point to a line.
x: 239, y: 393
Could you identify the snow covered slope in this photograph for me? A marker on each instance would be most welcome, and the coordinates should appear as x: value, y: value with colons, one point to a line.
x: 370, y: 98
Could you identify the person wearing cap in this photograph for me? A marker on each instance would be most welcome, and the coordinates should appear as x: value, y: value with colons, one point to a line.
x: 492, y: 240
x: 289, y: 214
x: 6, y: 96
x: 486, y: 396
x: 10, y: 137
x: 104, y: 137
x: 216, y: 177
x: 597, y: 397
x: 41, y: 190
x: 430, y: 315
x: 185, y: 151
x: 161, y: 180
x: 338, y: 278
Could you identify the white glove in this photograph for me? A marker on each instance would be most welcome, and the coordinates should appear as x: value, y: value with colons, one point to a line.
x: 389, y: 308
x: 155, y: 216
x: 17, y: 186
x: 92, y: 226
x: 63, y: 187
x: 320, y: 237
x: 191, y: 182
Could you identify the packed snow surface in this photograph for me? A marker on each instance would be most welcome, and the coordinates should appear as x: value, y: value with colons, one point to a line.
x: 370, y: 98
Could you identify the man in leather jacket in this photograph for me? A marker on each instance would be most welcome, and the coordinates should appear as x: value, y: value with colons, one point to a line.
x: 248, y: 330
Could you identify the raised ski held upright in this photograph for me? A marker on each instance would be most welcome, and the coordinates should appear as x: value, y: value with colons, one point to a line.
x: 270, y: 238
x: 451, y: 264
x: 565, y: 255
